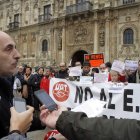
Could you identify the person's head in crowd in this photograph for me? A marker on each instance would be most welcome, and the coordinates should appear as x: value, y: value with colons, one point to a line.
x: 86, y: 68
x: 40, y: 70
x: 28, y: 70
x: 114, y: 75
x: 55, y: 70
x: 20, y: 69
x: 78, y: 63
x: 94, y: 70
x: 62, y: 66
x: 48, y: 71
x: 108, y: 66
x: 102, y: 68
x: 24, y: 67
x: 9, y: 56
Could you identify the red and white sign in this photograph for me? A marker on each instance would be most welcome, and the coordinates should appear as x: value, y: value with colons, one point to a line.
x: 95, y: 59
x: 120, y: 104
x: 61, y: 91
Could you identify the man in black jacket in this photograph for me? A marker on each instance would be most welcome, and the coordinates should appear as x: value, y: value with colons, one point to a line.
x: 9, y: 57
x: 63, y: 72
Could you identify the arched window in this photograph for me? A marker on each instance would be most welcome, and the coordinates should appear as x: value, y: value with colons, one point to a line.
x: 44, y: 45
x: 128, y: 36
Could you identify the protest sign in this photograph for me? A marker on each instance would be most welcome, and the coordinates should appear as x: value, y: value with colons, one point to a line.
x: 86, y: 79
x: 95, y: 59
x: 131, y: 65
x: 123, y: 104
x: 75, y: 71
x: 100, y: 77
x: 118, y: 66
x: 92, y: 107
x: 50, y: 134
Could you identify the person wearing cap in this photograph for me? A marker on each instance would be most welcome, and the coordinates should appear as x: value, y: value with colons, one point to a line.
x: 86, y: 69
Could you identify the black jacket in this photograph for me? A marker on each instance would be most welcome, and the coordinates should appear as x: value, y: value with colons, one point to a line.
x: 5, y: 104
x: 77, y: 126
x: 34, y: 81
x: 62, y: 74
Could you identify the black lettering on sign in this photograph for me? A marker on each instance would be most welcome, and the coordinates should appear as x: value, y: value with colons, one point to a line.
x: 88, y: 90
x: 79, y: 94
x: 127, y: 100
x: 112, y: 117
x: 103, y: 96
x: 110, y: 106
x: 137, y: 109
x: 104, y: 116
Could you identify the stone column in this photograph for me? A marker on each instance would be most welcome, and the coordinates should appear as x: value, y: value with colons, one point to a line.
x: 116, y: 37
x: 51, y: 45
x: 55, y: 50
x: 63, y: 44
x: 139, y: 32
x: 107, y: 34
x: 95, y: 49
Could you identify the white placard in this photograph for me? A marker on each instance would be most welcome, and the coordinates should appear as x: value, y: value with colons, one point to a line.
x: 118, y: 66
x: 100, y: 77
x: 131, y: 65
x: 75, y: 71
x: 86, y: 79
x: 92, y: 107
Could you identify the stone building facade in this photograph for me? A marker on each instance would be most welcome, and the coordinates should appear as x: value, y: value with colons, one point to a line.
x: 48, y: 32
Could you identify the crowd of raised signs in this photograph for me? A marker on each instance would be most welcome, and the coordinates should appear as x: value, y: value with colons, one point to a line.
x: 26, y: 82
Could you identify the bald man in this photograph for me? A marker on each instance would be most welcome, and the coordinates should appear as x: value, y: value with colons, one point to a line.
x: 9, y: 58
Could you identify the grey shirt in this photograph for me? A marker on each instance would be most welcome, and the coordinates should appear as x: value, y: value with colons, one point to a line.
x: 14, y: 136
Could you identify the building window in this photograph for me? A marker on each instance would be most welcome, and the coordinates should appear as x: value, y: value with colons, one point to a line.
x: 128, y: 36
x: 16, y: 18
x: 47, y: 12
x: 44, y: 45
x: 128, y: 1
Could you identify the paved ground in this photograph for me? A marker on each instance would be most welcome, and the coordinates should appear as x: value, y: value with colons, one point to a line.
x: 37, y: 135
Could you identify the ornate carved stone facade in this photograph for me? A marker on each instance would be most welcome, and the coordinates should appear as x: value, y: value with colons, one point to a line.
x: 71, y: 29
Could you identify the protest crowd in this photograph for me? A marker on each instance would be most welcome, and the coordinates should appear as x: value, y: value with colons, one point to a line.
x: 74, y: 89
